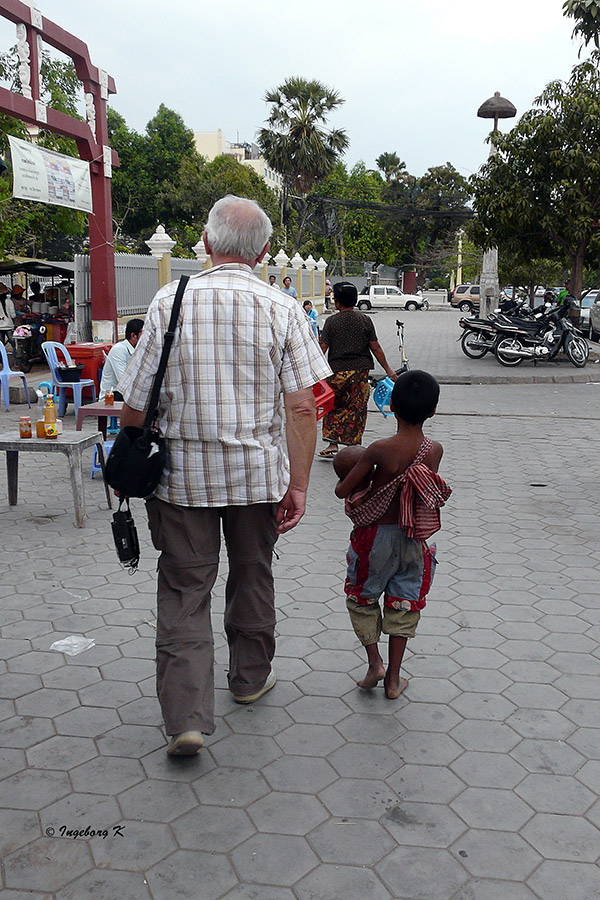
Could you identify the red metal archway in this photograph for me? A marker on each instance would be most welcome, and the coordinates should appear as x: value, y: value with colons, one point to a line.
x: 91, y: 136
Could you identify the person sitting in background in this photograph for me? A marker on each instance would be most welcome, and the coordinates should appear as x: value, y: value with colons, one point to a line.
x: 18, y: 298
x: 36, y: 295
x: 273, y: 282
x: 7, y: 317
x: 118, y: 357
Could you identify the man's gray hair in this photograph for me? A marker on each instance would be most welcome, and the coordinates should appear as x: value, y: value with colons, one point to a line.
x: 238, y: 227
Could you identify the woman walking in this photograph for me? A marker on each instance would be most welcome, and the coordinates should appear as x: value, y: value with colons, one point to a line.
x: 350, y: 342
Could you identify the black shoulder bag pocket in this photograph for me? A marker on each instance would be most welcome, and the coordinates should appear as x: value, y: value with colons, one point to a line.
x: 137, y: 459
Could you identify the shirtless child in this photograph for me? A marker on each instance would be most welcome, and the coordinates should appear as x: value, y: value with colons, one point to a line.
x: 388, y: 489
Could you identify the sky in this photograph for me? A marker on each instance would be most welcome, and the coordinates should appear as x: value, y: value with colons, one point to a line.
x: 412, y: 74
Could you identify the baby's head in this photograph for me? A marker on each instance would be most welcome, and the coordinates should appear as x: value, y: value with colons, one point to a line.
x: 346, y: 459
x: 415, y: 396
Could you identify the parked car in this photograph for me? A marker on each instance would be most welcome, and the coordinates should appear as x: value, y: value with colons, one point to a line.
x: 585, y: 311
x: 466, y: 298
x: 595, y: 316
x: 384, y: 296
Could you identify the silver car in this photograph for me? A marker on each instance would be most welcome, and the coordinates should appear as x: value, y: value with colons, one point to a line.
x: 585, y: 311
x: 594, y: 315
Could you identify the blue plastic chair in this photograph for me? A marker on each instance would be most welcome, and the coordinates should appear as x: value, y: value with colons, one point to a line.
x: 6, y: 373
x: 96, y: 467
x: 382, y: 396
x: 51, y: 350
x: 50, y: 390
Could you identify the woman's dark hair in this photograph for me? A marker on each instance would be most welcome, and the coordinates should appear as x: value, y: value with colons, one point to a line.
x: 415, y: 396
x: 345, y: 293
x: 35, y: 287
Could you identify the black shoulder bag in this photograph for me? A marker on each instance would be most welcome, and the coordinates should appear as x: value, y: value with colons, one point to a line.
x: 136, y: 461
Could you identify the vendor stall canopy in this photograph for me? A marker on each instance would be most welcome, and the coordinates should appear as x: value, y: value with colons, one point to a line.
x: 37, y: 267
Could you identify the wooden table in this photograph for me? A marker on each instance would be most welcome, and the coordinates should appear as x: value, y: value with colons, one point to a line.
x: 101, y: 410
x: 71, y: 444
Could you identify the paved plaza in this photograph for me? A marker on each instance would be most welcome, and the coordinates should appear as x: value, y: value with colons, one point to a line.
x: 479, y: 783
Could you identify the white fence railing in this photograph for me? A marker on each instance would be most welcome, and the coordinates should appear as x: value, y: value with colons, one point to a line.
x: 136, y: 277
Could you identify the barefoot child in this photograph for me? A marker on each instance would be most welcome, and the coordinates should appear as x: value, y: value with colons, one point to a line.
x: 393, y: 495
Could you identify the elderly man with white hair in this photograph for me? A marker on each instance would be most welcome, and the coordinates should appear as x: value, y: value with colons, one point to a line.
x: 243, y: 354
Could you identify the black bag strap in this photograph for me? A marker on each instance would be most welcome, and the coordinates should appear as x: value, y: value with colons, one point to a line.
x: 169, y: 336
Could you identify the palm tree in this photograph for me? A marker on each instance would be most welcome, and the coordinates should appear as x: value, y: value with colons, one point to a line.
x: 297, y: 142
x: 391, y: 165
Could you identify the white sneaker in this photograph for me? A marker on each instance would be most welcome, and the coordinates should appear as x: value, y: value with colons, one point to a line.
x: 188, y: 743
x: 250, y: 698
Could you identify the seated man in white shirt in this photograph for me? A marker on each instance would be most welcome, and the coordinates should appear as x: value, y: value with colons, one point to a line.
x: 118, y: 357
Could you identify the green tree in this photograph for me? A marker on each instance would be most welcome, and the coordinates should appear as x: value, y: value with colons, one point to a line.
x: 149, y: 172
x: 586, y: 14
x: 37, y: 229
x: 391, y: 165
x: 540, y: 194
x: 200, y: 184
x: 298, y: 143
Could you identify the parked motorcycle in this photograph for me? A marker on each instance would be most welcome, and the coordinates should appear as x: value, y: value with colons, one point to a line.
x: 542, y: 339
x: 28, y: 340
x: 481, y: 335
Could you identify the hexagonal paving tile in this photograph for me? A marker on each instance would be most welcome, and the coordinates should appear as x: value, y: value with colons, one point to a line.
x: 261, y: 859
x: 46, y: 703
x: 102, y: 884
x: 498, y: 810
x: 180, y: 874
x: 46, y: 865
x: 339, y: 883
x: 284, y: 813
x: 374, y: 760
x: 228, y: 786
x: 299, y: 774
x: 78, y: 811
x: 563, y: 837
x: 547, y: 757
x: 423, y: 824
x: 19, y: 827
x: 541, y: 723
x: 557, y: 880
x: 33, y: 789
x: 364, y: 798
x: 310, y: 740
x: 136, y: 846
x: 477, y: 734
x: 423, y: 746
x: 217, y: 830
x: 406, y: 871
x: 318, y: 710
x: 156, y: 801
x: 480, y: 769
x: 255, y: 720
x: 105, y: 774
x: 61, y: 753
x: 485, y: 854
x: 351, y: 842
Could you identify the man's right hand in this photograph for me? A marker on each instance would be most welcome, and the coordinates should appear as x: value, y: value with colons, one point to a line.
x: 290, y: 510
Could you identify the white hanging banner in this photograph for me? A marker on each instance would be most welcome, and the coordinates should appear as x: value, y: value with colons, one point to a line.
x: 49, y: 177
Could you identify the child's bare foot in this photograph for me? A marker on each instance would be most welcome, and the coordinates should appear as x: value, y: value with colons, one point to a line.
x: 372, y: 678
x: 394, y: 687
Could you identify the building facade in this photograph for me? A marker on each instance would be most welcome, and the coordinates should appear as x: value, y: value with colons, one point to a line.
x: 211, y: 144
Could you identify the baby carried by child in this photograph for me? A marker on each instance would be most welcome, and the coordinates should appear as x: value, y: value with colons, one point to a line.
x: 393, y: 496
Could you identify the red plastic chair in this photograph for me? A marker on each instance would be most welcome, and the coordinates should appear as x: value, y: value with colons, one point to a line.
x: 324, y: 398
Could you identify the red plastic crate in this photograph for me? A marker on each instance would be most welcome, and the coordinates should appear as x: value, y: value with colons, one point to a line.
x: 324, y: 398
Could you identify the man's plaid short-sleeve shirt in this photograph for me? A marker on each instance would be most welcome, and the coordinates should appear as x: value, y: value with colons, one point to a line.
x: 239, y: 346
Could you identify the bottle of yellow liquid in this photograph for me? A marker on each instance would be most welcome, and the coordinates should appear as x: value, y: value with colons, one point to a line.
x: 50, y: 419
